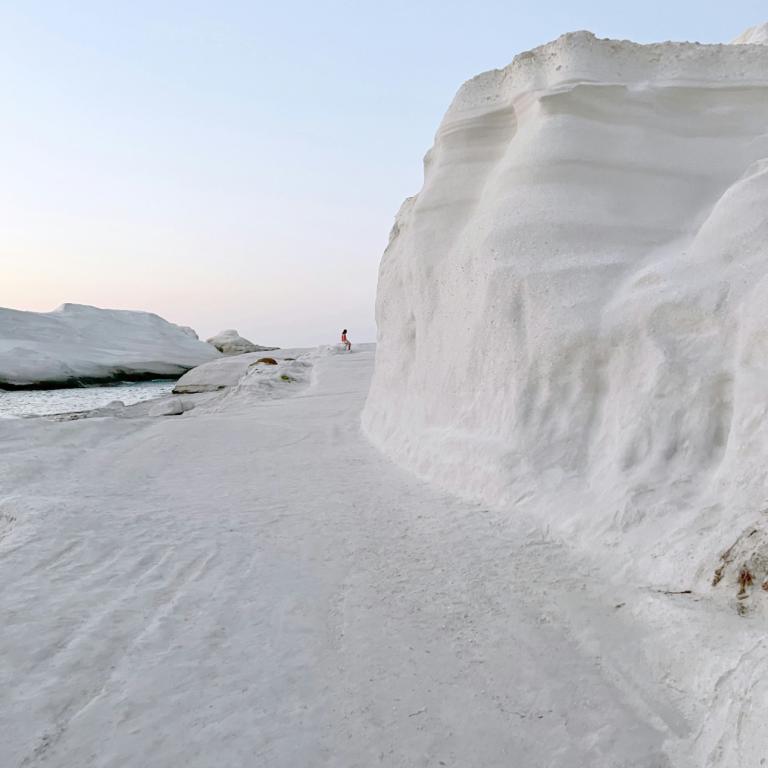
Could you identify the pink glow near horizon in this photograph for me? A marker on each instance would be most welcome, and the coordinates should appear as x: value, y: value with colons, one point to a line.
x: 240, y: 165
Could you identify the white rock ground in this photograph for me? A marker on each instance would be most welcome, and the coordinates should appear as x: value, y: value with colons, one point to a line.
x: 572, y: 323
x: 255, y: 585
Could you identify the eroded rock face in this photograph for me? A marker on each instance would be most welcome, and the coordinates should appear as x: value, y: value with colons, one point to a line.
x: 230, y: 342
x: 573, y: 307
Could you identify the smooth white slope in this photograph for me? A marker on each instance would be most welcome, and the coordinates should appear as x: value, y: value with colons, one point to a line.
x: 258, y: 586
x: 78, y: 342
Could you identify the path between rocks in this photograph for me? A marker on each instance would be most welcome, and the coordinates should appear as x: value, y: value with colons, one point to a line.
x: 260, y: 587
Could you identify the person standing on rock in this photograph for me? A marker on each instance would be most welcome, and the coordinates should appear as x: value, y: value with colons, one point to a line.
x: 345, y: 341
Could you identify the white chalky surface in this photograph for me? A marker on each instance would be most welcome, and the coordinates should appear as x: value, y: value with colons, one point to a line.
x: 572, y: 322
x: 256, y: 585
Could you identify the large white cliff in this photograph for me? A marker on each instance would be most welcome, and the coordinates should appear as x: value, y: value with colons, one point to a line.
x: 573, y: 311
x: 575, y: 302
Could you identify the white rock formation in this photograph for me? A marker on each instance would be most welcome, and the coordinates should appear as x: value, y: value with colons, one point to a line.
x: 754, y: 36
x: 572, y: 311
x: 226, y: 371
x: 77, y: 343
x: 572, y: 325
x: 215, y: 375
x: 230, y: 342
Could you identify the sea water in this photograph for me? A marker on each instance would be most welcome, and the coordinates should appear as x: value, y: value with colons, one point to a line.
x: 45, y: 402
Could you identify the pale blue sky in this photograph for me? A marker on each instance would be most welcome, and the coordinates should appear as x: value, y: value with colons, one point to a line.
x: 239, y: 164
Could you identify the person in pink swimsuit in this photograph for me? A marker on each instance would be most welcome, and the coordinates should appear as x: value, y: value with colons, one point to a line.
x: 345, y: 341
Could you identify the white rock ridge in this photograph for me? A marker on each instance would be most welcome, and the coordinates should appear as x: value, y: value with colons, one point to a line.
x: 754, y: 36
x: 230, y: 342
x: 575, y: 300
x: 572, y: 317
x: 77, y: 344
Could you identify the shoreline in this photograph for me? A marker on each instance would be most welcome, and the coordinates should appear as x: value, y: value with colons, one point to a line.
x: 84, y: 382
x: 64, y: 403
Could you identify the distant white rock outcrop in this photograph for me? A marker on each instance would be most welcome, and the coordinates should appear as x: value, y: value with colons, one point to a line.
x: 230, y: 342
x: 77, y: 344
x: 754, y: 36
